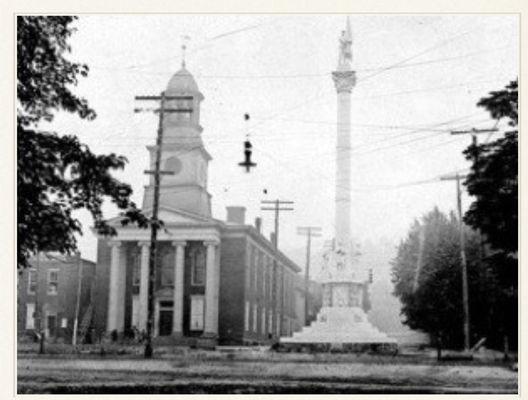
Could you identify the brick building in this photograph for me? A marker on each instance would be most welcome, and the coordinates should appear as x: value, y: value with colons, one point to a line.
x: 49, y: 288
x: 216, y: 282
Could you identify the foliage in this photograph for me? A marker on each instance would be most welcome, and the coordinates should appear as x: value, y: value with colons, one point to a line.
x: 494, y: 211
x: 431, y: 295
x: 493, y: 177
x: 57, y: 175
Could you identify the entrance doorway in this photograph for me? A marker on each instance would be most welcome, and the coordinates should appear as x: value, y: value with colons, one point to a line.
x: 165, y: 318
x: 52, y: 325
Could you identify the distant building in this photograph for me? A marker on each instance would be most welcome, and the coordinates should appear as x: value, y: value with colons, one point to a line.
x: 49, y: 290
x: 216, y: 282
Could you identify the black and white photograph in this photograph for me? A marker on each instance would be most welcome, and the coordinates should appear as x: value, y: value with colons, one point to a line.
x: 266, y: 203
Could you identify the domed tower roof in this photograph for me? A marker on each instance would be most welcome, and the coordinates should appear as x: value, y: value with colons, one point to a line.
x: 182, y: 82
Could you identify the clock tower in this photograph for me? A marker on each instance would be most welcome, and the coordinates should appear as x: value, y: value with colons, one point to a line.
x: 183, y: 152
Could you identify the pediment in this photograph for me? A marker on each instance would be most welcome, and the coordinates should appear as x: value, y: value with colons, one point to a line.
x: 171, y: 216
x: 180, y: 217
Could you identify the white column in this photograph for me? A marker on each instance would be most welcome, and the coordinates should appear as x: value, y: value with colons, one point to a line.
x: 143, y: 285
x: 343, y: 176
x: 211, y: 291
x: 113, y: 288
x: 344, y: 81
x: 177, y: 318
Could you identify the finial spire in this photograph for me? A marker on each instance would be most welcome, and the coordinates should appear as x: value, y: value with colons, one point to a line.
x: 185, y: 38
x: 348, y: 29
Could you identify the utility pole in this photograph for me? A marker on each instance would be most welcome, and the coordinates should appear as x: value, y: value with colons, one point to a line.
x: 277, y: 207
x: 78, y: 301
x: 465, y: 302
x: 309, y: 232
x: 277, y: 203
x: 154, y: 221
x: 38, y: 306
x: 474, y: 132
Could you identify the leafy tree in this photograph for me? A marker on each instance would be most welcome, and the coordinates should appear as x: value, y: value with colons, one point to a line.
x: 57, y: 175
x: 493, y: 177
x: 429, y: 284
x: 494, y: 211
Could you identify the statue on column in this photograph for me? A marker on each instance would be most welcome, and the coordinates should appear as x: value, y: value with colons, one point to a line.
x: 345, y: 51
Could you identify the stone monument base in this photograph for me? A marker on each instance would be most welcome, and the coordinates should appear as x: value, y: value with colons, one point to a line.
x: 339, y: 329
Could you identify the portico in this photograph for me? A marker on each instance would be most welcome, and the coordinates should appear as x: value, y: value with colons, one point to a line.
x: 186, y: 284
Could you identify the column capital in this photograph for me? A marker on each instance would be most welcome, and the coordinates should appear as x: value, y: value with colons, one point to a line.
x: 144, y: 243
x: 177, y: 243
x: 211, y: 242
x: 344, y: 81
x: 114, y: 243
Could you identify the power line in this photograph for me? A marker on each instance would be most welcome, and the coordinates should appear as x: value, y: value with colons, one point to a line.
x: 309, y: 232
x: 277, y: 207
x: 465, y: 301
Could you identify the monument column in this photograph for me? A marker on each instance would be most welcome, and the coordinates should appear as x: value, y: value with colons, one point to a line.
x: 341, y: 322
x: 211, y: 291
x: 344, y: 80
x: 116, y: 303
x: 143, y: 285
x: 177, y: 318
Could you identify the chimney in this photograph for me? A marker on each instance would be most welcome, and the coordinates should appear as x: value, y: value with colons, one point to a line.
x: 236, y: 215
x: 258, y: 224
x: 272, y: 239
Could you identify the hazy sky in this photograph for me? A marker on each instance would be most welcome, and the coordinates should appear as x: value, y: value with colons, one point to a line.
x: 418, y: 77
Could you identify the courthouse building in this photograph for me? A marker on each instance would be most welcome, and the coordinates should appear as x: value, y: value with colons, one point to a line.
x: 216, y: 282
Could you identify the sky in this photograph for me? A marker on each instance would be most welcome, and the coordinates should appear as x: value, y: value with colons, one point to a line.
x: 418, y: 78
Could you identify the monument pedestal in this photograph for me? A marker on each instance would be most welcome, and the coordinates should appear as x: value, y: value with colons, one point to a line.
x: 341, y: 325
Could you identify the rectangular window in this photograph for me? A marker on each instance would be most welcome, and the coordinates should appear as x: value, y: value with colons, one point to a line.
x: 136, y: 272
x: 53, y: 281
x: 30, y: 316
x: 246, y: 319
x: 259, y: 274
x: 248, y: 269
x: 167, y: 276
x: 270, y: 280
x: 255, y: 318
x: 197, y: 313
x: 263, y: 322
x: 32, y: 281
x: 253, y: 270
x: 198, y: 267
x: 184, y: 107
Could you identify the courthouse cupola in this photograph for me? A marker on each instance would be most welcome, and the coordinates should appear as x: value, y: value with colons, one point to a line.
x: 184, y: 99
x: 182, y: 82
x: 183, y: 153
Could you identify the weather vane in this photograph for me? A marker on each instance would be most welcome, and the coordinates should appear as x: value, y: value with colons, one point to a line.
x: 185, y: 39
